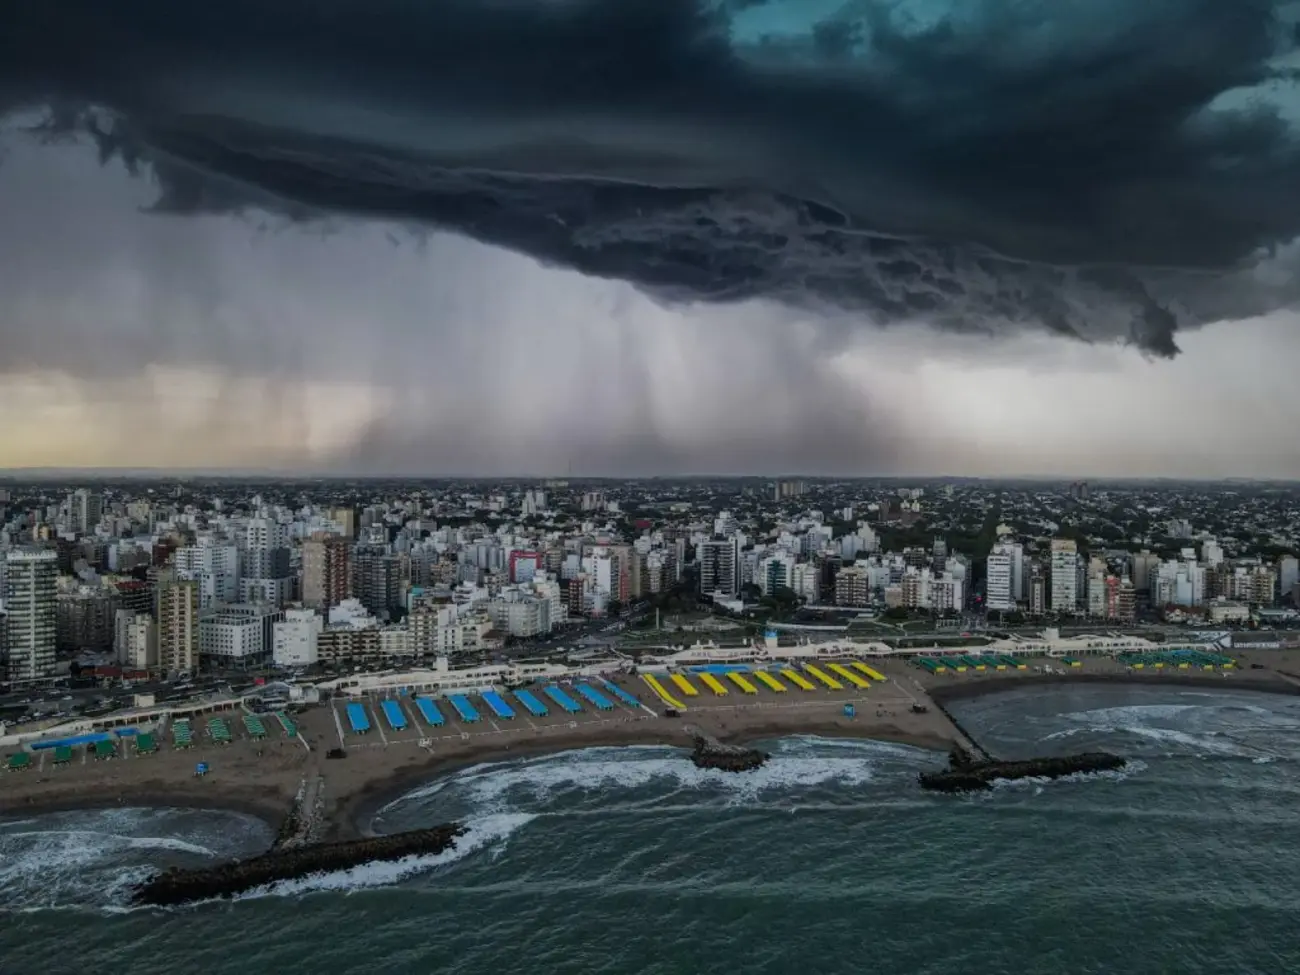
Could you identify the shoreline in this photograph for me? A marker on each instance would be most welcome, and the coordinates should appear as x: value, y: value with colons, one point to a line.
x: 356, y: 814
x: 271, y: 813
x: 264, y: 782
x: 352, y: 815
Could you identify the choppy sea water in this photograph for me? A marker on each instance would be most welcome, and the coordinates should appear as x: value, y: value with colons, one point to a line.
x: 827, y: 860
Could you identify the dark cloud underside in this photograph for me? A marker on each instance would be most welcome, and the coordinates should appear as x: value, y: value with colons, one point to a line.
x: 1097, y: 168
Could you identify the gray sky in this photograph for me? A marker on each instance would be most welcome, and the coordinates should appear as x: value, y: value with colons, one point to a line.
x: 135, y: 339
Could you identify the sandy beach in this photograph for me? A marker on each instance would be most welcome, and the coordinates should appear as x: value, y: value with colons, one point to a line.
x: 262, y: 778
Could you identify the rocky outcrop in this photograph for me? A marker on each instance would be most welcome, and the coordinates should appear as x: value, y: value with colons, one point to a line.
x: 965, y: 774
x: 711, y: 753
x: 181, y: 886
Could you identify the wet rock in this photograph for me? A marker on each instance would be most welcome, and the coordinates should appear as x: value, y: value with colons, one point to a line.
x: 181, y: 886
x: 710, y: 753
x: 965, y: 775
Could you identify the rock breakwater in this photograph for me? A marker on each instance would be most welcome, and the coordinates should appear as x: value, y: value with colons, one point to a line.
x: 965, y: 774
x: 711, y: 753
x: 182, y: 886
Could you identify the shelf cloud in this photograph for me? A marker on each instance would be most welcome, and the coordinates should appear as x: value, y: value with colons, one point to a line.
x: 1098, y: 169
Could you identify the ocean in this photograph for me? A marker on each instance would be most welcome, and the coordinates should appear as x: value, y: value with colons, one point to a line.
x: 829, y: 859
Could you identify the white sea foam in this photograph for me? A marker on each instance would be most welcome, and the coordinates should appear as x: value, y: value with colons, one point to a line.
x: 795, y: 764
x: 486, y: 832
x: 1038, y: 782
x: 1202, y: 729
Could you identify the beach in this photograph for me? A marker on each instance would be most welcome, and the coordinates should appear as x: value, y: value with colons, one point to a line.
x: 263, y: 778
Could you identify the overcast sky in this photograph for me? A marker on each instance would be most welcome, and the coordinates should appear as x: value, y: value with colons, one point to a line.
x: 132, y: 339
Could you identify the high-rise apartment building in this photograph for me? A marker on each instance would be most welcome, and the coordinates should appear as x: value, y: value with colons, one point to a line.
x: 138, y: 649
x: 1000, y: 591
x: 1036, y: 589
x: 31, y: 621
x: 1064, y: 575
x: 852, y: 587
x: 216, y: 570
x: 719, y: 560
x: 1121, y: 599
x: 85, y: 618
x: 178, y: 625
x: 346, y: 519
x: 85, y: 511
x: 326, y: 570
x: 376, y: 581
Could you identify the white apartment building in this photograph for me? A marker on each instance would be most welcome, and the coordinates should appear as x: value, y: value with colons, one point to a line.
x: 1178, y: 583
x: 1064, y: 575
x: 1000, y: 591
x: 216, y: 570
x: 227, y: 640
x: 805, y: 582
x: 294, y: 639
x: 139, y: 649
x: 520, y: 614
x: 277, y: 592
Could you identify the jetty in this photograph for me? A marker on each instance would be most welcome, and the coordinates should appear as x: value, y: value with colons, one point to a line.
x: 183, y: 886
x: 968, y: 774
x: 708, y: 752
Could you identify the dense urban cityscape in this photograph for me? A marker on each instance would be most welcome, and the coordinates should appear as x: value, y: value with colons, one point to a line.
x: 149, y: 579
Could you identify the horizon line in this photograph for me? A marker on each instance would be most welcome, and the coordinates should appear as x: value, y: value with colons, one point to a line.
x: 165, y: 473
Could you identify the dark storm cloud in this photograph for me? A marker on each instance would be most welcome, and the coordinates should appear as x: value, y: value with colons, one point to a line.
x: 1078, y: 165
